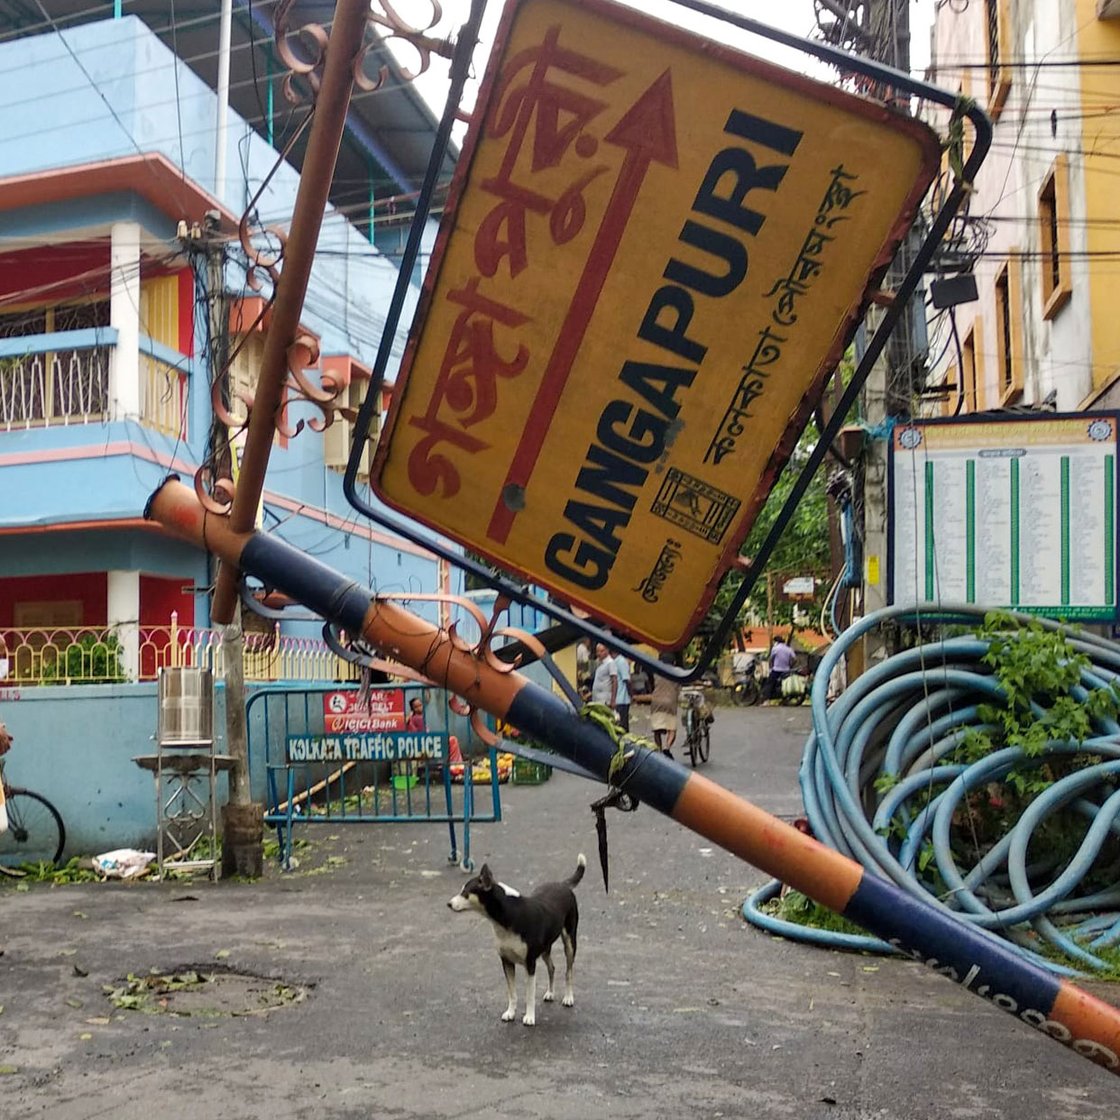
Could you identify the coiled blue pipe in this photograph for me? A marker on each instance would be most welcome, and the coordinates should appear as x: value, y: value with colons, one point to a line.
x: 893, y: 727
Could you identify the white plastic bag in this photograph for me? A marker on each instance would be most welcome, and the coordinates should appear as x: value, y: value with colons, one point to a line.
x: 122, y: 863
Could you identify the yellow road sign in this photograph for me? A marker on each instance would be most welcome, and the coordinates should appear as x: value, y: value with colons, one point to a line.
x: 654, y: 252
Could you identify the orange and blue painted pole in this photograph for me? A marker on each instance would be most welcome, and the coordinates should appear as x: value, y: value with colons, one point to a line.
x: 977, y: 960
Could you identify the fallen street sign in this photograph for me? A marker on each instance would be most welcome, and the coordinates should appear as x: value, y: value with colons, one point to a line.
x: 654, y: 252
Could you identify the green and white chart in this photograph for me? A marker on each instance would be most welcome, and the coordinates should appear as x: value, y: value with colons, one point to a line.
x: 1017, y: 513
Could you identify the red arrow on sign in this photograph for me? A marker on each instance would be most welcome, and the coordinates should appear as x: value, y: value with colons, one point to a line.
x: 647, y: 131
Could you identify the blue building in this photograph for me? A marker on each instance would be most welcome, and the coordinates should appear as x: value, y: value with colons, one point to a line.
x: 110, y: 223
x: 124, y: 271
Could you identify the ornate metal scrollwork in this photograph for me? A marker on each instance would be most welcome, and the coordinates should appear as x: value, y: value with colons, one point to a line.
x: 303, y: 50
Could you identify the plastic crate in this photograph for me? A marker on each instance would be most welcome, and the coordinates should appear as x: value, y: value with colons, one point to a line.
x: 529, y: 773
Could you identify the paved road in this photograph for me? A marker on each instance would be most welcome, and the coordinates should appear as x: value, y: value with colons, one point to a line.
x: 681, y: 1008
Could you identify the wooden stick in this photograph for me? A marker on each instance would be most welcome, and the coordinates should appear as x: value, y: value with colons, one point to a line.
x: 301, y: 797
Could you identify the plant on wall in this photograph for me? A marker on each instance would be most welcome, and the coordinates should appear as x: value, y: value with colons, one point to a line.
x: 88, y: 660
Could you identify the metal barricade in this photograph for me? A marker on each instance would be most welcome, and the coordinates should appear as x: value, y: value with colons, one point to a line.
x: 334, y: 755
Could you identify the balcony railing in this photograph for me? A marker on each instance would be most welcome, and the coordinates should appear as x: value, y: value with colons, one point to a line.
x: 55, y: 379
x: 62, y: 378
x: 101, y: 655
x: 163, y: 388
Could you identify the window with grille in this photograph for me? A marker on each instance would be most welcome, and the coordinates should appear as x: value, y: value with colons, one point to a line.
x: 997, y: 19
x: 1009, y: 350
x: 47, y: 387
x: 950, y: 390
x: 339, y: 436
x: 969, y: 371
x: 1053, y: 230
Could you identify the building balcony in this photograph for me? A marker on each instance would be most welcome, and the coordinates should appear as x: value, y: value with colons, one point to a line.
x: 63, y: 378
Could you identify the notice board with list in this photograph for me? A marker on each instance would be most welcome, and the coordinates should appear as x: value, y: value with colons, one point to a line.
x: 1017, y: 513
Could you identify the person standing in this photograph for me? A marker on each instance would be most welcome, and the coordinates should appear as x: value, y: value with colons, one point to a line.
x: 622, y: 698
x: 604, y: 685
x: 781, y: 665
x: 415, y: 721
x: 583, y: 665
x: 664, y: 701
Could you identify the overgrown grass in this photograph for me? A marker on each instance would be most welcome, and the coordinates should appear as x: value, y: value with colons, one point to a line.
x: 75, y: 870
x: 798, y: 909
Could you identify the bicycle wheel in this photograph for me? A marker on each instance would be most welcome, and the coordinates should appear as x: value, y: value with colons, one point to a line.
x: 35, y: 833
x: 689, y: 735
x: 752, y: 693
x: 703, y: 742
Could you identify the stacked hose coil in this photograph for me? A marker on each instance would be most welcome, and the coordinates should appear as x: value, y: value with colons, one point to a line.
x: 880, y: 784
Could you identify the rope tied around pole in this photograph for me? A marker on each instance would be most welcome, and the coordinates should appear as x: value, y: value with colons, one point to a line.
x: 616, y: 797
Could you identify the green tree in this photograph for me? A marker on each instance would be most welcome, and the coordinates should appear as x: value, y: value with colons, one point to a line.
x: 803, y: 547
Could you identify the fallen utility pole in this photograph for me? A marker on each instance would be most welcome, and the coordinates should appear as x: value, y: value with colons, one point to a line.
x: 928, y: 932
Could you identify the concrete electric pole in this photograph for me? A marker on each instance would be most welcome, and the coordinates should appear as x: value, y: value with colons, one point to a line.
x: 878, y: 29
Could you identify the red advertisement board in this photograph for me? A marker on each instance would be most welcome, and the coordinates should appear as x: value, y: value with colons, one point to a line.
x: 382, y: 710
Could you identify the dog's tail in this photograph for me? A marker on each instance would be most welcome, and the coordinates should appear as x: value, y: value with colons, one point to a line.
x: 581, y: 864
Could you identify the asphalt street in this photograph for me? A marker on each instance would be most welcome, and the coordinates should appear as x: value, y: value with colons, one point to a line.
x: 347, y: 988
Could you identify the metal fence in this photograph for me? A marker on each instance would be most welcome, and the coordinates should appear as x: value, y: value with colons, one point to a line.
x: 116, y: 654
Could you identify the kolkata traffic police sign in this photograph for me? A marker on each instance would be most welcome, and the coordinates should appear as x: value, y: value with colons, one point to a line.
x: 654, y: 252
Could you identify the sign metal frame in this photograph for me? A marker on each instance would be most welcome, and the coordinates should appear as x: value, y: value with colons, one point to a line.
x: 569, y: 623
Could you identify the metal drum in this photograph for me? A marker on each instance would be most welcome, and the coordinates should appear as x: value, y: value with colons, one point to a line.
x: 186, y: 706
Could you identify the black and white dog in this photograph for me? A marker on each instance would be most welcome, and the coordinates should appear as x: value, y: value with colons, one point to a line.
x: 526, y: 928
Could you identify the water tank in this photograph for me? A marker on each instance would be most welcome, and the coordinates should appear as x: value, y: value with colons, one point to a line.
x: 186, y: 706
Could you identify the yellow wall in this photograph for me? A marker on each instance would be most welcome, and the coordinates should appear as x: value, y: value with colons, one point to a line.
x: 159, y: 310
x: 1100, y: 140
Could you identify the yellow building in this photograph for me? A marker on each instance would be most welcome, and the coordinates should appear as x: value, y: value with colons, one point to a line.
x: 1042, y: 231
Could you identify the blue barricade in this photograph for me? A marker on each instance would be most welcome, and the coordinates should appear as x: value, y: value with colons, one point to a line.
x: 335, y: 755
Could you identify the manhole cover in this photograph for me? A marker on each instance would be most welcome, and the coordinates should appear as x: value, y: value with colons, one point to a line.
x: 203, y: 990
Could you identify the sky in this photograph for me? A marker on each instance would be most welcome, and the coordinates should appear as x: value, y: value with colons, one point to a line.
x: 795, y: 16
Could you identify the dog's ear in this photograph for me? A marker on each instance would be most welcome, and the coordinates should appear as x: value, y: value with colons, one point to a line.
x: 485, y: 879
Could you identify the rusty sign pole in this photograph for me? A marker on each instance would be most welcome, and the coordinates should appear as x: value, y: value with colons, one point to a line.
x: 331, y: 103
x: 929, y: 933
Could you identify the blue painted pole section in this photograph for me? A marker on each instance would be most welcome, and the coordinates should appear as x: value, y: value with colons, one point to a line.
x: 650, y: 776
x: 323, y: 589
x: 967, y: 956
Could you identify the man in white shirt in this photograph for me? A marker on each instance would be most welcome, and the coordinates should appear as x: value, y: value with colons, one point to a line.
x: 604, y: 685
x: 622, y: 697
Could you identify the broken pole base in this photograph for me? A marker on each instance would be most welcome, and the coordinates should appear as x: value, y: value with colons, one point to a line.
x: 243, y: 840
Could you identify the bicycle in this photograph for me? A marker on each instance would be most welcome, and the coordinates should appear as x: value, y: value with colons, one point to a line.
x: 697, y: 726
x: 34, y: 831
